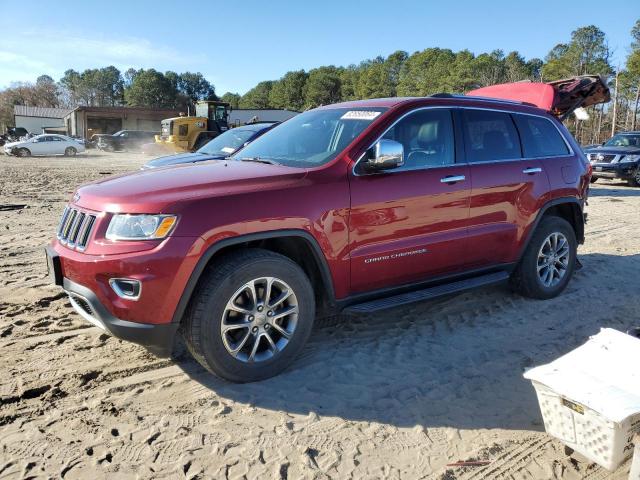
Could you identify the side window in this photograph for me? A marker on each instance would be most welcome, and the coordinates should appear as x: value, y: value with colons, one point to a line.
x: 540, y: 138
x: 427, y: 137
x: 490, y: 135
x: 183, y: 130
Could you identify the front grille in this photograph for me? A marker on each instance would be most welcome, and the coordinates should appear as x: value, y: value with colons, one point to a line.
x: 601, y: 158
x: 75, y: 228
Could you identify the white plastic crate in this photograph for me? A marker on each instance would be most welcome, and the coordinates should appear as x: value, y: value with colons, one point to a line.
x: 590, y: 397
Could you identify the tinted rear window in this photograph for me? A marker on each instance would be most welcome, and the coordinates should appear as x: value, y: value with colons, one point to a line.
x: 490, y: 135
x: 540, y: 138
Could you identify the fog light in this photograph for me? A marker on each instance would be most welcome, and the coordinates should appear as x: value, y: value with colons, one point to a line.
x: 126, y: 288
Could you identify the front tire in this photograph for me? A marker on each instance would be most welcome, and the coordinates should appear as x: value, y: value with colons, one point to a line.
x: 250, y: 316
x: 70, y: 152
x: 549, y: 260
x: 635, y: 181
x: 23, y: 152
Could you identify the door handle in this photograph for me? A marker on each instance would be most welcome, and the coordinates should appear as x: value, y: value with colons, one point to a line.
x: 452, y: 179
x: 531, y: 171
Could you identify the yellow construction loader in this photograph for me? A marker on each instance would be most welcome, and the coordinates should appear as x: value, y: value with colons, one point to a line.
x: 188, y: 133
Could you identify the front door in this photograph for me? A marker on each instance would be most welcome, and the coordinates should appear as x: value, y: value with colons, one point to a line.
x: 409, y: 223
x: 40, y: 145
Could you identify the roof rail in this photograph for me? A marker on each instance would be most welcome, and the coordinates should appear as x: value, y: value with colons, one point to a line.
x: 473, y: 97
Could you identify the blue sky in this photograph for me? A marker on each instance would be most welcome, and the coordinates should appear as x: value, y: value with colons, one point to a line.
x: 237, y: 44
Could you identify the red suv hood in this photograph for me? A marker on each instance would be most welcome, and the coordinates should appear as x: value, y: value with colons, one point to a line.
x: 151, y: 191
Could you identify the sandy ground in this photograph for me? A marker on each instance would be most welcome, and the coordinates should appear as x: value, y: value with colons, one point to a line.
x: 395, y: 395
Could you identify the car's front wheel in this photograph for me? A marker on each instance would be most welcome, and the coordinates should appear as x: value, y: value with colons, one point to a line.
x: 70, y: 152
x: 635, y: 181
x: 23, y: 152
x: 548, y: 261
x: 251, y: 314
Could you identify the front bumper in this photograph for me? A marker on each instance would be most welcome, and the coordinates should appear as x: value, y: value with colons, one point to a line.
x: 624, y: 171
x: 163, y: 272
x: 158, y: 339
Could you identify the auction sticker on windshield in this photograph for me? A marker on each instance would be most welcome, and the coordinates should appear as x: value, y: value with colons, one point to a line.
x: 360, y: 115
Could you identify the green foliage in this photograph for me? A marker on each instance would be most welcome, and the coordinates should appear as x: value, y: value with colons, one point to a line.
x: 108, y: 87
x: 288, y: 92
x: 196, y: 87
x: 150, y: 88
x: 323, y: 87
x: 434, y: 70
x: 635, y: 35
x: 257, y: 97
x: 586, y: 54
x: 349, y: 78
x: 232, y: 99
x: 94, y: 87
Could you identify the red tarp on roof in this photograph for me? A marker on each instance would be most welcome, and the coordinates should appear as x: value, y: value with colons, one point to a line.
x: 560, y: 97
x: 539, y: 94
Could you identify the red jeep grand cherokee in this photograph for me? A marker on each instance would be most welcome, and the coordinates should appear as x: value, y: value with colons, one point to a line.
x: 354, y: 207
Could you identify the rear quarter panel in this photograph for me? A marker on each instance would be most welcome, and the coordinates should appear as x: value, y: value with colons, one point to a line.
x: 568, y: 178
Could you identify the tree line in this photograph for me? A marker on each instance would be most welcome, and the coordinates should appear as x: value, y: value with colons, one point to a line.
x: 421, y: 73
x: 108, y: 87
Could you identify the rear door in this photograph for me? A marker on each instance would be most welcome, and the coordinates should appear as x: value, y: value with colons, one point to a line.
x: 58, y: 145
x: 409, y: 224
x: 505, y: 187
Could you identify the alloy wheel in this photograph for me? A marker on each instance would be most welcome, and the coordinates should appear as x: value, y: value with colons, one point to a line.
x: 259, y: 319
x: 553, y: 259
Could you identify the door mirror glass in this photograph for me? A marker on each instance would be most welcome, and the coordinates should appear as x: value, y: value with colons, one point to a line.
x: 385, y: 155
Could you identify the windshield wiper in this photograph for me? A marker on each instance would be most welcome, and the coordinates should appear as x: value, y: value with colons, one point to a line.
x: 259, y: 160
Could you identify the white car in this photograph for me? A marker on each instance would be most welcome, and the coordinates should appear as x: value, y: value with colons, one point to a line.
x: 46, y: 144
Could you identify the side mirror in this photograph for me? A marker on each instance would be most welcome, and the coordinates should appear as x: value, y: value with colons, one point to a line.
x: 385, y: 155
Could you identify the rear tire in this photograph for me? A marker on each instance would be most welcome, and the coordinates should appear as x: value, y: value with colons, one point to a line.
x: 70, y: 152
x: 245, y: 338
x: 23, y: 152
x: 548, y: 261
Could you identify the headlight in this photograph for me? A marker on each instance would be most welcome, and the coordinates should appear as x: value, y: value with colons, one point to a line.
x: 140, y: 227
x: 630, y: 158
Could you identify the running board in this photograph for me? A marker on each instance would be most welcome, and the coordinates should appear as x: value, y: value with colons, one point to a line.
x: 427, y: 293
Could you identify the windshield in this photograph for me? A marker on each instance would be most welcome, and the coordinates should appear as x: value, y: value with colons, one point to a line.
x: 227, y: 142
x: 624, y: 141
x: 312, y: 138
x: 117, y: 134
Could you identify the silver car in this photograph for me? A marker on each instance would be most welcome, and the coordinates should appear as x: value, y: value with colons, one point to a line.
x: 47, y: 144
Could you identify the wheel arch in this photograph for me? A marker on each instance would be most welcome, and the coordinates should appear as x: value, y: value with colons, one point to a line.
x: 298, y: 245
x: 568, y: 208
